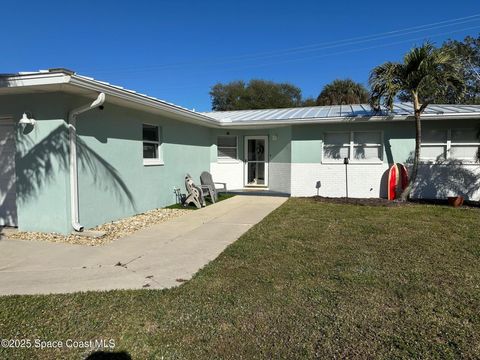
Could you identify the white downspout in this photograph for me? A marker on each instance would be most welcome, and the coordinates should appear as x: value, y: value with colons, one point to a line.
x: 72, y: 119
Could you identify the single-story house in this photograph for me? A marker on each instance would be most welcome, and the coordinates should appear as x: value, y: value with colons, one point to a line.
x: 76, y: 152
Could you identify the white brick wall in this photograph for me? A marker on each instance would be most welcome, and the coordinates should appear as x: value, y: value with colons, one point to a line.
x: 233, y: 175
x: 434, y: 181
x: 230, y: 173
x: 279, y: 176
x: 451, y: 179
x: 364, y: 180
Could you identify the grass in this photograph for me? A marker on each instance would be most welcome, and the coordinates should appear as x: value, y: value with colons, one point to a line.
x: 221, y: 197
x: 312, y: 280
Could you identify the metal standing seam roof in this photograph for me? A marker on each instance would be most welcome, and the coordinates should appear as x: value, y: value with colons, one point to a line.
x: 338, y: 111
x: 89, y: 78
x: 334, y: 113
x: 132, y: 91
x: 68, y: 76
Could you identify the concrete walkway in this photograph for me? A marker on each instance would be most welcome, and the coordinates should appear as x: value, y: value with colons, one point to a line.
x: 152, y: 258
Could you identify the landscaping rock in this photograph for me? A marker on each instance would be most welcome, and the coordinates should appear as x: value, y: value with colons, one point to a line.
x: 113, y: 230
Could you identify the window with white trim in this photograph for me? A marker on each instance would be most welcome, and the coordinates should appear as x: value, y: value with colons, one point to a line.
x: 434, y: 145
x: 464, y: 144
x: 459, y: 144
x: 336, y: 146
x: 227, y: 148
x: 367, y: 146
x: 357, y: 146
x: 151, y: 145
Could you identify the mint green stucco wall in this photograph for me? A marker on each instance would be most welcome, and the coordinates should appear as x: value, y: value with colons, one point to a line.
x: 399, y: 137
x: 113, y: 182
x: 279, y: 149
x: 303, y: 143
x: 307, y: 139
x: 43, y: 202
x: 41, y: 162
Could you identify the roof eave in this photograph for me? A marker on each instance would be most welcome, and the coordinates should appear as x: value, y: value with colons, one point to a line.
x: 339, y: 120
x: 36, y: 80
x: 144, y: 100
x: 60, y: 77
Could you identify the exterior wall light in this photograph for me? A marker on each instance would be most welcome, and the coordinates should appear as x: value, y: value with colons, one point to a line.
x: 25, y: 120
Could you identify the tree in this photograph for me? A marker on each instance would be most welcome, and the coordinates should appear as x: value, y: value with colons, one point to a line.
x: 310, y: 101
x: 261, y: 94
x: 257, y: 94
x: 227, y: 97
x: 468, y: 54
x: 425, y: 74
x: 343, y: 92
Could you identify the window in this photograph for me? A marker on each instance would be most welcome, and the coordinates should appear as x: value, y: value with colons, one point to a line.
x: 336, y: 146
x: 151, y: 145
x: 361, y: 146
x: 434, y: 145
x: 367, y: 146
x: 464, y: 144
x: 459, y: 144
x: 226, y: 148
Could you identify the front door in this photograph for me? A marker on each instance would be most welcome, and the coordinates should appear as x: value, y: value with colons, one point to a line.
x: 256, y: 161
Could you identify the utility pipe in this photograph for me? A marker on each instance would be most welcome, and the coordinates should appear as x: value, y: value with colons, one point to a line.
x: 72, y: 119
x: 346, y: 161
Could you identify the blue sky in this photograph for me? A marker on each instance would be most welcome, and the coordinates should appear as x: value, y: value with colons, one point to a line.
x: 176, y: 50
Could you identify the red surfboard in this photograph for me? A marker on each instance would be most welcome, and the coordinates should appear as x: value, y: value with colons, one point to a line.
x: 392, y: 182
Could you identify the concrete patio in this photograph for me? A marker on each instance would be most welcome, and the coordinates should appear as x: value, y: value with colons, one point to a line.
x: 161, y: 256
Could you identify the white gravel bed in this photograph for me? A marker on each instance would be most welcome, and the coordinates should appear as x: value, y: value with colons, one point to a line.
x: 113, y: 230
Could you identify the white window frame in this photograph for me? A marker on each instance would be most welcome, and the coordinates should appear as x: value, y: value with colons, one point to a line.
x: 448, y: 147
x: 445, y: 145
x: 226, y: 160
x: 351, y: 148
x: 159, y: 159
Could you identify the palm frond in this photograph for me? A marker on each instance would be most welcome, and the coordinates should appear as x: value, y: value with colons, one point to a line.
x: 385, y: 83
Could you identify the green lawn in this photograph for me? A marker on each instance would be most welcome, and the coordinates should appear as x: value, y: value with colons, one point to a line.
x: 311, y: 280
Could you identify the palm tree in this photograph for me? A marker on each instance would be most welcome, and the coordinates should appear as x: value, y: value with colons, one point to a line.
x: 426, y: 73
x: 343, y: 92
